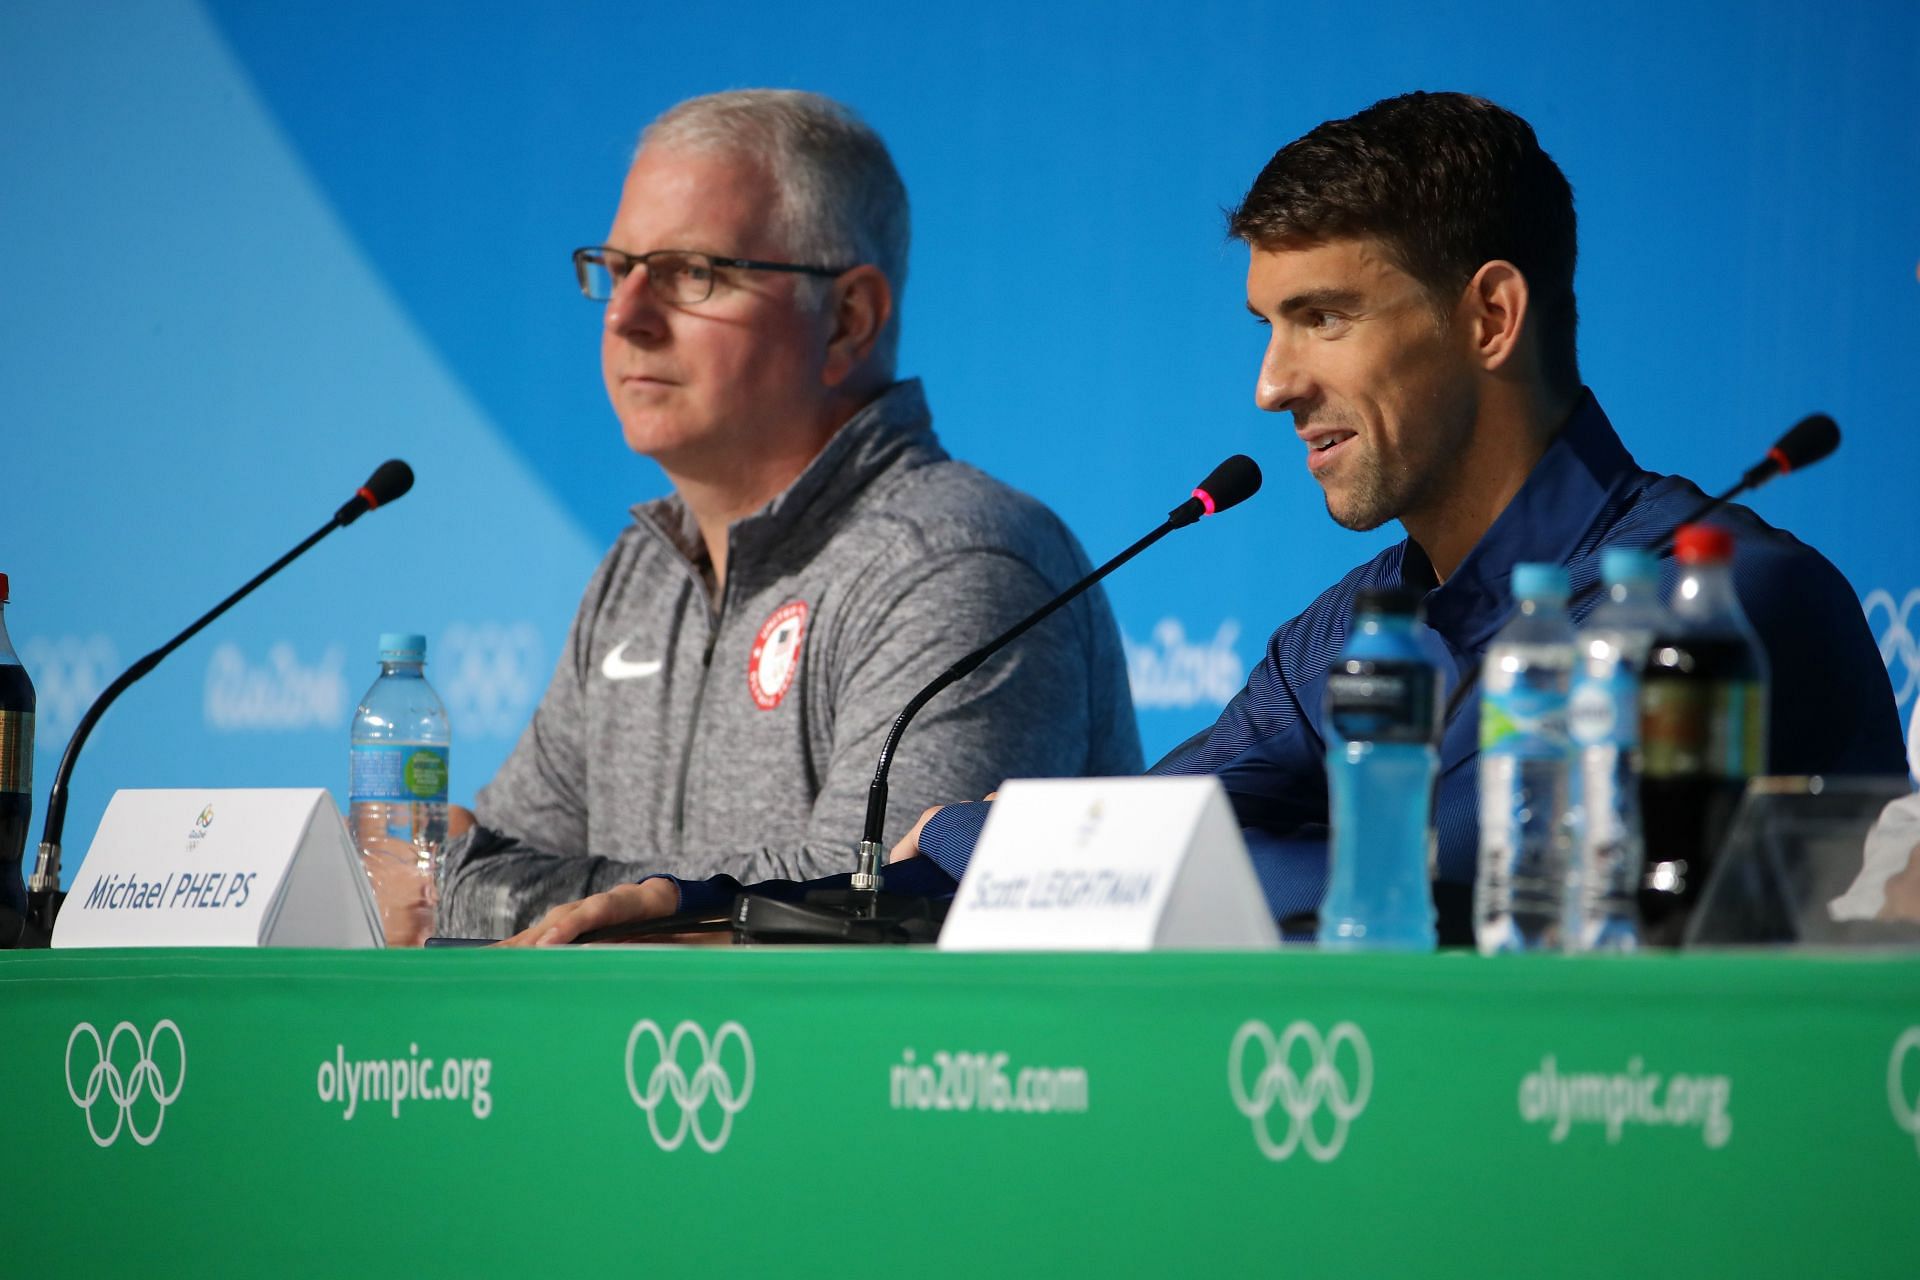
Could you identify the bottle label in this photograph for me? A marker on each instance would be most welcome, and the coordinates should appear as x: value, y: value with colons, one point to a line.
x: 16, y: 751
x: 1383, y: 702
x: 1605, y: 710
x: 1702, y: 728
x: 1740, y: 740
x: 399, y: 772
x: 1675, y: 716
x: 1524, y: 719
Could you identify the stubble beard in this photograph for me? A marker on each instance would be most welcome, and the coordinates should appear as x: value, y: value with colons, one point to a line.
x: 1377, y: 492
x: 1372, y: 497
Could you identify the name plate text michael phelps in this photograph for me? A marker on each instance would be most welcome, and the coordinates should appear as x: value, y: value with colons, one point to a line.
x: 220, y: 868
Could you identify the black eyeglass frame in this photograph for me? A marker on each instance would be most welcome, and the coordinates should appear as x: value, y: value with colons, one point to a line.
x: 585, y: 254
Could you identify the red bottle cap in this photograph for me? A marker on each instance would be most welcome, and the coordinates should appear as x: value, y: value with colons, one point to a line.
x: 3, y: 588
x: 1702, y: 544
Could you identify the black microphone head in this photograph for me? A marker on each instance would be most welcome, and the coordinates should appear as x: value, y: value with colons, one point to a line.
x: 1811, y: 439
x: 1229, y: 484
x: 390, y: 480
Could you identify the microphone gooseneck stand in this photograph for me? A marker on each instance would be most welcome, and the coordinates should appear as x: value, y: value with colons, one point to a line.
x: 863, y: 912
x: 44, y: 897
x: 1805, y: 443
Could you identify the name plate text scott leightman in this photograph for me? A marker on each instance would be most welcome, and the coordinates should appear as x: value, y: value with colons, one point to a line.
x: 1109, y: 864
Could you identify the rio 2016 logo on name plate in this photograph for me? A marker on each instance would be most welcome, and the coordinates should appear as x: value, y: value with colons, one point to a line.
x: 1903, y: 1089
x: 119, y: 1074
x: 1303, y: 1075
x: 677, y: 1102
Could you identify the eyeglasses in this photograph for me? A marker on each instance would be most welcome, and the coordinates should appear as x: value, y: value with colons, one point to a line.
x: 674, y: 275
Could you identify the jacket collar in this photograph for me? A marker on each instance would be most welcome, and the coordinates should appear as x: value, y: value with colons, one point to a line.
x: 1564, y: 496
x: 891, y: 425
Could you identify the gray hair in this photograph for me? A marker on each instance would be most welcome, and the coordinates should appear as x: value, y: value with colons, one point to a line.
x: 841, y: 201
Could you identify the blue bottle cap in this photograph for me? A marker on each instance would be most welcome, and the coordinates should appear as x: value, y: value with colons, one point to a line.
x: 402, y: 646
x: 1620, y: 565
x: 1539, y: 582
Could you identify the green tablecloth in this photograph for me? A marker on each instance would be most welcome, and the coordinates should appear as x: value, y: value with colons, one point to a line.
x: 778, y: 1112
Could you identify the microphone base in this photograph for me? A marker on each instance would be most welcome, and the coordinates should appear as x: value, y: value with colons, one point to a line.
x: 43, y: 908
x: 844, y: 917
x: 19, y: 933
x: 866, y: 873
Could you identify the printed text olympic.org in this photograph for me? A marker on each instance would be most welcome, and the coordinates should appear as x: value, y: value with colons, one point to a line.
x: 982, y: 1082
x: 1619, y: 1099
x: 412, y: 1078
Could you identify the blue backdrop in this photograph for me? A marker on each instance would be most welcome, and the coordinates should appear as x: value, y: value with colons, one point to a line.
x: 251, y: 249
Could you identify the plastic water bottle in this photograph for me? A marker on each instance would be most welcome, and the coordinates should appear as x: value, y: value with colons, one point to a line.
x: 1526, y: 759
x: 398, y: 795
x: 1383, y: 720
x: 1603, y: 883
x: 16, y: 765
x: 1703, y: 723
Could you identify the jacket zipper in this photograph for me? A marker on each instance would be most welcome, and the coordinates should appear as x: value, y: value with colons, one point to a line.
x: 686, y: 751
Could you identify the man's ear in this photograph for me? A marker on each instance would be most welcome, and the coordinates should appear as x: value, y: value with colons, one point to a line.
x: 861, y: 306
x: 1493, y: 314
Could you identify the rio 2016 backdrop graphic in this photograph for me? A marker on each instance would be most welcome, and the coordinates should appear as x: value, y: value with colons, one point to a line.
x: 251, y: 250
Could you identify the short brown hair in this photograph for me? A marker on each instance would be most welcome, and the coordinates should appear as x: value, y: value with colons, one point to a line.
x: 1445, y: 182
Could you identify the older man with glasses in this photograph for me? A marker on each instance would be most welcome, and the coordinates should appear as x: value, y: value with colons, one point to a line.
x: 743, y: 648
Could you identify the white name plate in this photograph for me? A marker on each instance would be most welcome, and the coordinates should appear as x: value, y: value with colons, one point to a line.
x: 1109, y: 864
x: 232, y: 868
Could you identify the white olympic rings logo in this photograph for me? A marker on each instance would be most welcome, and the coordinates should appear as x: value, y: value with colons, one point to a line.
x: 1906, y: 1110
x: 669, y: 1079
x: 493, y: 674
x: 123, y: 1090
x: 1300, y: 1098
x: 1899, y: 648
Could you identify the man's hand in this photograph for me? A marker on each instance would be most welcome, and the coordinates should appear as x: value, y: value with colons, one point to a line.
x: 909, y: 846
x: 626, y: 904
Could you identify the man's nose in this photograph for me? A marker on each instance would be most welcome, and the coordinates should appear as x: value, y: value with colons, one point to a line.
x: 633, y: 308
x: 1282, y: 382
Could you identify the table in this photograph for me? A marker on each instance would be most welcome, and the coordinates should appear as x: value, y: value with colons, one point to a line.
x: 803, y: 1111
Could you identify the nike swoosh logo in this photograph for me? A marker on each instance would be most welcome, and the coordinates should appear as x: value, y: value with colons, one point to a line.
x: 618, y: 668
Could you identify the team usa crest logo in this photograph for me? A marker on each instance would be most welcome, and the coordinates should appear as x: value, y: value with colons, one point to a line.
x: 776, y: 654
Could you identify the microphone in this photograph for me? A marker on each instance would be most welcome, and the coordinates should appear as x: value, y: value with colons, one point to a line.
x: 1227, y: 485
x: 44, y: 898
x: 862, y: 913
x: 389, y: 481
x: 1806, y: 442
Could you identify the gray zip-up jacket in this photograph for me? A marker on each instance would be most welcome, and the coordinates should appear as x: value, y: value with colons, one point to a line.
x: 683, y: 737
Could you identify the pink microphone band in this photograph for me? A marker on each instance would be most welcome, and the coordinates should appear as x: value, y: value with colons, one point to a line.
x: 1206, y: 500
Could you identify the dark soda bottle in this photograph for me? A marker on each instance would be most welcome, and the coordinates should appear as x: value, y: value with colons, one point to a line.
x: 1703, y: 727
x: 16, y: 765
